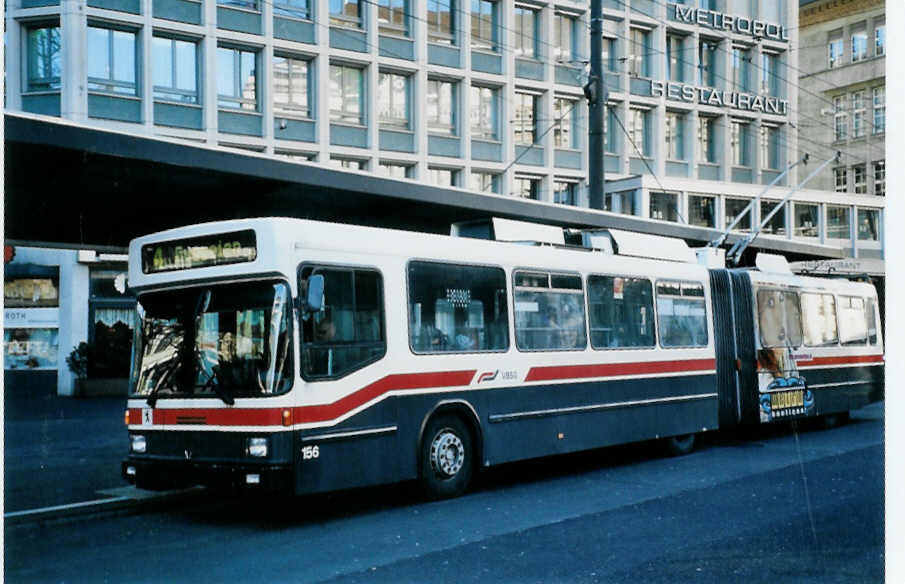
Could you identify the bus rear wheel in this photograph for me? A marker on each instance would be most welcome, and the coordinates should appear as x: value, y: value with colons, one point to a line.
x: 447, y: 454
x: 680, y: 445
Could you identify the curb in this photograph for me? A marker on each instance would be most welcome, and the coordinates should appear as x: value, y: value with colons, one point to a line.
x: 122, y: 501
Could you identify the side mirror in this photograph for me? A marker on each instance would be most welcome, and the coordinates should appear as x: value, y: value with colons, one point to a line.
x: 314, y: 300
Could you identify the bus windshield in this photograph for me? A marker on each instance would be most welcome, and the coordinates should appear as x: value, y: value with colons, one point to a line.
x: 227, y: 341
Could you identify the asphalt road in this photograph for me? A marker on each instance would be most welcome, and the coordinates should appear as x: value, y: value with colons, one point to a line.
x: 780, y: 506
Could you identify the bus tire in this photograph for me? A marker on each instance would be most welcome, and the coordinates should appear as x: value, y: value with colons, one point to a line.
x: 680, y: 445
x: 447, y: 457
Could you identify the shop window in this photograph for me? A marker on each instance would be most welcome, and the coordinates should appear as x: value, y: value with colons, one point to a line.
x: 112, y: 313
x: 30, y: 348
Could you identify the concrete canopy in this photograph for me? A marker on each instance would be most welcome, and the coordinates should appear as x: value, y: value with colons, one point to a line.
x: 79, y: 185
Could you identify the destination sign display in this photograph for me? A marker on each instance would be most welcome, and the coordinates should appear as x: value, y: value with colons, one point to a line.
x: 198, y: 252
x: 729, y: 22
x: 717, y: 97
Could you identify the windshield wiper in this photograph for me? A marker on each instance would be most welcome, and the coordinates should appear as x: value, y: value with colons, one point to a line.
x: 219, y: 388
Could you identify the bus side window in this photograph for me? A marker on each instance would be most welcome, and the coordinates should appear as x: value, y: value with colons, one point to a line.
x: 347, y: 333
x: 818, y: 314
x: 457, y: 309
x: 621, y: 312
x: 681, y: 314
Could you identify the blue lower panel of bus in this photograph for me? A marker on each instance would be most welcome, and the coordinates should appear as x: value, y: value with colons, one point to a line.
x: 843, y: 389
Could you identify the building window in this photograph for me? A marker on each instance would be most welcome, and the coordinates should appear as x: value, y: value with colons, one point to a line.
x: 769, y: 74
x: 346, y: 13
x: 347, y: 163
x: 174, y: 69
x: 880, y: 40
x: 440, y: 21
x: 565, y: 193
x: 868, y: 225
x: 30, y: 348
x: 237, y: 79
x: 675, y: 136
x: 484, y: 116
x: 246, y: 4
x: 292, y: 8
x: 484, y: 18
x: 639, y: 53
x: 840, y: 118
x: 563, y: 118
x: 611, y: 58
x: 291, y: 83
x: 702, y: 210
x: 675, y: 58
x: 740, y: 143
x: 880, y: 178
x: 526, y: 188
x: 835, y: 49
x: 296, y: 156
x: 484, y: 182
x: 707, y: 63
x: 837, y: 222
x: 395, y: 170
x: 392, y: 17
x: 840, y: 179
x: 347, y: 94
x: 777, y: 224
x: 563, y: 37
x: 707, y: 139
x: 664, y: 206
x: 111, y: 61
x: 524, y: 128
x: 442, y: 177
x: 734, y: 208
x: 769, y: 147
x: 739, y: 62
x: 526, y: 32
x: 44, y: 64
x: 639, y: 131
x: 807, y: 220
x: 859, y: 46
x: 879, y: 99
x: 611, y: 131
x: 441, y: 107
x: 859, y: 178
x: 393, y: 100
x: 858, y: 114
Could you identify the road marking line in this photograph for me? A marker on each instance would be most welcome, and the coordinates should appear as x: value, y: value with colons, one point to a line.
x: 70, y: 506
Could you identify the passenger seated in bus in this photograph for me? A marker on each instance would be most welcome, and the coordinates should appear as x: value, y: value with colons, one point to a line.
x: 319, y: 359
x: 571, y: 327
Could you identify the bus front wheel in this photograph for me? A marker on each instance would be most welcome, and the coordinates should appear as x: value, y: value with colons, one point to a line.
x: 447, y: 454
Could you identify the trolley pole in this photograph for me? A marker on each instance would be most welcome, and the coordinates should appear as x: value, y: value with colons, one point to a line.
x: 595, y: 93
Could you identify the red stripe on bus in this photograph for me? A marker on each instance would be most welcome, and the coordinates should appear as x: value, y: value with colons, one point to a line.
x: 304, y: 414
x: 845, y: 360
x: 616, y: 369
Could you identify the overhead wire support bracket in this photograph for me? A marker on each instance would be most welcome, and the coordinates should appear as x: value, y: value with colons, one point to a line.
x: 735, y: 254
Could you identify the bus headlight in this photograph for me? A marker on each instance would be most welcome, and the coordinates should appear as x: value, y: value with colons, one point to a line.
x: 256, y: 447
x: 139, y: 444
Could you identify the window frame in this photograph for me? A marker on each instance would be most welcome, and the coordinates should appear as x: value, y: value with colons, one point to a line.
x: 288, y: 108
x: 506, y: 310
x: 134, y: 86
x: 237, y: 81
x: 172, y: 89
x: 435, y: 124
x: 478, y: 40
x: 550, y: 274
x: 53, y: 83
x: 390, y: 122
x: 653, y: 305
x: 656, y: 297
x: 395, y: 9
x: 804, y: 339
x: 383, y: 312
x: 343, y: 21
x: 434, y: 33
x: 344, y: 115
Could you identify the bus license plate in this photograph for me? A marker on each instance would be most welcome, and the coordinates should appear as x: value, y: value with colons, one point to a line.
x: 786, y: 400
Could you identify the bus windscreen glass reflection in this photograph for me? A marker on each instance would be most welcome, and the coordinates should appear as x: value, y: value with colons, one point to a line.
x: 223, y: 341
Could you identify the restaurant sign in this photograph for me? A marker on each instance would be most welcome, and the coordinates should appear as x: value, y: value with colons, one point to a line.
x: 716, y: 97
x: 728, y: 22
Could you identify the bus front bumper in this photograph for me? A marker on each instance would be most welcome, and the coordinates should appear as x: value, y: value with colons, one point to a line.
x: 159, y: 475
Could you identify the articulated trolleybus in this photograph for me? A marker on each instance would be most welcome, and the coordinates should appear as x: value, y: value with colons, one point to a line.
x: 301, y: 356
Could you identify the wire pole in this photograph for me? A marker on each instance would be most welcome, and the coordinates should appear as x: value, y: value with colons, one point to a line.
x: 594, y: 91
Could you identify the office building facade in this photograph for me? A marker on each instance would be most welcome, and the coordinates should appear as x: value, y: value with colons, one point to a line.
x: 843, y: 65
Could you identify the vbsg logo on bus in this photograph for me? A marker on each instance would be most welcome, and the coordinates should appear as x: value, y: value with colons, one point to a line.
x: 199, y: 252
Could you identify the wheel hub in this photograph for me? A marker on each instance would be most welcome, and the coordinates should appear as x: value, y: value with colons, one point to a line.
x: 447, y: 454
